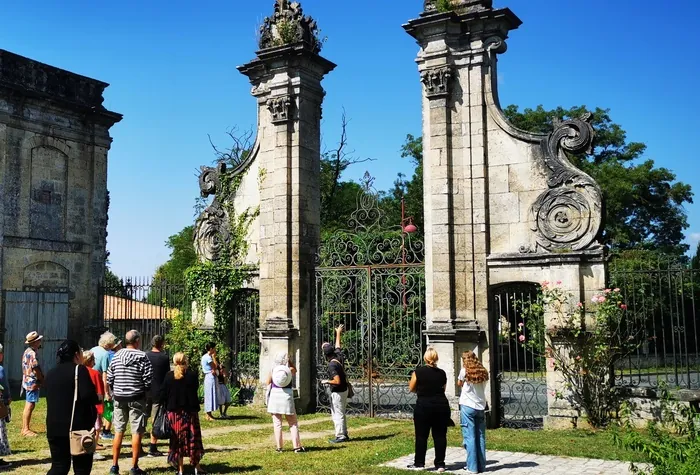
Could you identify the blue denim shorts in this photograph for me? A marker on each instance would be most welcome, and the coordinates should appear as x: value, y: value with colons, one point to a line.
x: 32, y: 396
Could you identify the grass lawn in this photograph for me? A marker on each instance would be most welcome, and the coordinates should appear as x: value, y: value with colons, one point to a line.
x: 243, y: 444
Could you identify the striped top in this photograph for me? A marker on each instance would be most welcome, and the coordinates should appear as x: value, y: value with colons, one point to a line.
x: 129, y: 375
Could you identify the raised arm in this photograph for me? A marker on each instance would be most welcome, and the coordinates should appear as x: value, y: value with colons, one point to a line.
x: 338, y: 333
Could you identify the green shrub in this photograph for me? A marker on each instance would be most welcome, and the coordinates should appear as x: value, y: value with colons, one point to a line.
x: 671, y: 444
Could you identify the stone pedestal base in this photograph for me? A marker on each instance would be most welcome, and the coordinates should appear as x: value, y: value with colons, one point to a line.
x: 450, y: 340
x: 279, y: 336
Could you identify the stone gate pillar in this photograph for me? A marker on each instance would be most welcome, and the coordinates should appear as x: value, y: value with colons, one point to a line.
x: 286, y: 76
x: 451, y: 62
x: 502, y: 205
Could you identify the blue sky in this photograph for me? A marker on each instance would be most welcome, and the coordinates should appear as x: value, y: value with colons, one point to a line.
x: 172, y: 69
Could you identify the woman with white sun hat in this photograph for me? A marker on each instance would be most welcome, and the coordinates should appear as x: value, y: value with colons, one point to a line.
x: 280, y: 401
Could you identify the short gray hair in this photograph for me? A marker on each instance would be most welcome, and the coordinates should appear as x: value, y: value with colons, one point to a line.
x: 107, y: 339
x: 132, y: 336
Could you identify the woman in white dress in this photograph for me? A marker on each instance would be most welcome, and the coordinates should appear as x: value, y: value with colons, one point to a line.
x: 209, y: 369
x: 280, y: 402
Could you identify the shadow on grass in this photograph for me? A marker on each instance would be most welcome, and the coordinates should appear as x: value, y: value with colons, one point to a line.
x: 242, y: 418
x: 220, y: 449
x: 29, y: 462
x: 370, y: 438
x: 322, y: 449
x: 225, y: 468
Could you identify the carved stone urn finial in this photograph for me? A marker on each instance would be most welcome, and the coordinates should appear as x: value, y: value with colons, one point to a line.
x: 289, y: 26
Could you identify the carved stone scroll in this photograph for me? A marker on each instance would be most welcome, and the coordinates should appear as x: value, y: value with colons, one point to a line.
x: 437, y: 81
x: 568, y: 215
x: 212, y: 232
x: 279, y: 108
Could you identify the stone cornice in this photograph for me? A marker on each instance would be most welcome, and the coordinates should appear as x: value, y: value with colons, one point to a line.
x: 26, y: 77
x: 539, y: 259
x: 283, y: 57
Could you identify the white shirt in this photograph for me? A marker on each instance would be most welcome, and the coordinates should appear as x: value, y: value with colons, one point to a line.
x: 473, y: 395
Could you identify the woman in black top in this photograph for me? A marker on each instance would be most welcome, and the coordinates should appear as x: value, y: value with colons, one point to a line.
x: 178, y: 394
x: 432, y: 411
x: 60, y: 386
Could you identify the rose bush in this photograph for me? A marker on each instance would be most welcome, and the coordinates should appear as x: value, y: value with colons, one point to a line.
x: 583, y: 350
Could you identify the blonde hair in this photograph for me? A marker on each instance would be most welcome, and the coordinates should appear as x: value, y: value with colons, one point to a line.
x: 88, y: 357
x: 431, y: 356
x: 180, y: 361
x: 474, y: 371
x: 107, y: 339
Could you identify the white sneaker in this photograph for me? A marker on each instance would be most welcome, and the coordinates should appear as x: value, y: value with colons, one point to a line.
x: 97, y: 456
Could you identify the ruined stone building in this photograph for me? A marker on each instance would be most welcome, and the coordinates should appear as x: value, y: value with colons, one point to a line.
x: 54, y: 138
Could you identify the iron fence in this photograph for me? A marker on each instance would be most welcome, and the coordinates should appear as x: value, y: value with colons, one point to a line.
x: 661, y: 297
x: 142, y: 303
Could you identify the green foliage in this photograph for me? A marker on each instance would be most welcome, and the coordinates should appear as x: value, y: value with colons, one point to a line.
x: 410, y: 190
x: 445, y: 6
x: 182, y: 256
x: 643, y: 203
x: 113, y: 285
x: 695, y: 261
x: 186, y: 335
x: 584, y: 350
x: 671, y: 444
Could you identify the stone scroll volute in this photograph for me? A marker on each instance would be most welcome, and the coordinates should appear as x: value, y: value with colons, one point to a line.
x: 568, y: 215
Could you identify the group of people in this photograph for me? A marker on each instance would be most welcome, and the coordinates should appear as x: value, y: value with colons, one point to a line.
x: 115, y: 386
x: 134, y: 385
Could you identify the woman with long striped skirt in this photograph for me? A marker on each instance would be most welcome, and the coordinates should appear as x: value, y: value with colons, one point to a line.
x: 178, y: 395
x: 209, y: 369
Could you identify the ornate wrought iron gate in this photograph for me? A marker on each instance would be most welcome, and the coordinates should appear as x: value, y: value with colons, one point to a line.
x: 244, y: 344
x: 371, y: 280
x: 521, y: 374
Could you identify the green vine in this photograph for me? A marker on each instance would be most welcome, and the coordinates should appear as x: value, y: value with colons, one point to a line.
x: 215, y: 285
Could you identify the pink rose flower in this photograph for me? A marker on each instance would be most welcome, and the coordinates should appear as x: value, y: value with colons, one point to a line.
x: 579, y: 305
x: 594, y: 299
x: 623, y: 306
x: 601, y: 299
x: 521, y: 324
x: 559, y: 282
x: 607, y: 291
x: 521, y: 338
x: 616, y: 290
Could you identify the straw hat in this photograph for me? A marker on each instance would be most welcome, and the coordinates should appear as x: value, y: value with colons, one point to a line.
x: 33, y: 337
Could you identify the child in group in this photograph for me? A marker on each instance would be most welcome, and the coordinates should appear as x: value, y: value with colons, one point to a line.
x: 96, y: 377
x: 224, y: 396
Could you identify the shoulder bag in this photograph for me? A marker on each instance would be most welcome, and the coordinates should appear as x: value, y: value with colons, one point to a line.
x: 351, y: 390
x: 82, y: 442
x: 161, y: 424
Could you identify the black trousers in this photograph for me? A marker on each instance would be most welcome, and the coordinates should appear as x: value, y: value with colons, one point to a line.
x: 61, y: 458
x: 426, y: 422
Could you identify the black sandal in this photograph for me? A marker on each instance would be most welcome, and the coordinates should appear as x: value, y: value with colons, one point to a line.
x: 300, y: 450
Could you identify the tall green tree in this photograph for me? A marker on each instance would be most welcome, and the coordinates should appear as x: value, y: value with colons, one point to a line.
x: 410, y: 189
x: 113, y: 285
x: 643, y: 202
x: 182, y: 256
x: 695, y: 261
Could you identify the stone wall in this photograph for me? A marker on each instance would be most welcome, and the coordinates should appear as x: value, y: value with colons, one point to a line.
x: 54, y: 139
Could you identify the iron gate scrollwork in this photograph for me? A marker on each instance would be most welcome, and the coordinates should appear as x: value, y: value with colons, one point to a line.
x: 371, y: 279
x: 244, y: 344
x: 521, y: 372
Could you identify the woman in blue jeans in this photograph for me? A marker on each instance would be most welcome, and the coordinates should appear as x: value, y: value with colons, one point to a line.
x: 472, y: 404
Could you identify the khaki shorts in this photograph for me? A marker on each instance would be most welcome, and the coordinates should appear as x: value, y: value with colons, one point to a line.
x: 133, y: 412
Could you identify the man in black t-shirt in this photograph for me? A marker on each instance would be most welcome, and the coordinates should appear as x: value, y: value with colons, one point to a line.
x: 161, y: 366
x: 338, y: 382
